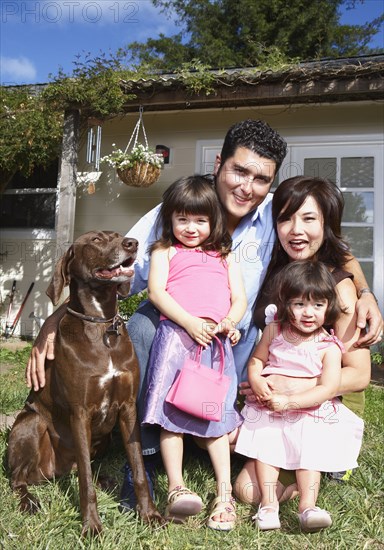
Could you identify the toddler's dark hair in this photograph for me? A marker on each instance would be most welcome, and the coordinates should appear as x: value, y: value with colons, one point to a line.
x: 312, y: 281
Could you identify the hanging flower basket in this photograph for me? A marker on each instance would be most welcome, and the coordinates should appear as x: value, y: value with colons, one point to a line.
x: 140, y: 174
x: 140, y: 166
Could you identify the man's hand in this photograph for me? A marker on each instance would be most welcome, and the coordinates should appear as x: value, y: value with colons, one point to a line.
x: 368, y: 313
x: 43, y: 348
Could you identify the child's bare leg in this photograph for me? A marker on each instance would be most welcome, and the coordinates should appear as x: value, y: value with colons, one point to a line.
x: 181, y: 501
x: 267, y: 477
x: 267, y: 516
x: 311, y: 517
x: 171, y: 446
x: 246, y: 487
x: 218, y: 449
x: 308, y: 482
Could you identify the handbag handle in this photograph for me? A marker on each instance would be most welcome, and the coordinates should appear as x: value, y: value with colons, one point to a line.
x: 200, y: 349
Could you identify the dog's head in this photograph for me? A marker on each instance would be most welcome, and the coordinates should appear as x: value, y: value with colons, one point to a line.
x: 98, y: 256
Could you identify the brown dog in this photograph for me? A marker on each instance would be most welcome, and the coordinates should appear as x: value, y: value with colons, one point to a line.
x: 92, y: 381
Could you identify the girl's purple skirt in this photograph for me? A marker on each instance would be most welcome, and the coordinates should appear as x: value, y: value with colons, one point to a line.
x: 171, y: 346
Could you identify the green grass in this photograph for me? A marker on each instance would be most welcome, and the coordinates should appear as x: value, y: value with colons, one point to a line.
x: 356, y: 507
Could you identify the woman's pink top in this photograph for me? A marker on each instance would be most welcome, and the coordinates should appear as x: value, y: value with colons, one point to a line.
x: 198, y: 281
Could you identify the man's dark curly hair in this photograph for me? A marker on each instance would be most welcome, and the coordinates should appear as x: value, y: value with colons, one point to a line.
x: 257, y: 136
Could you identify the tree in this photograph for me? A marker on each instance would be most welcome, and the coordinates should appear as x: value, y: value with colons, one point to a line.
x: 30, y: 132
x: 228, y: 33
x: 31, y: 117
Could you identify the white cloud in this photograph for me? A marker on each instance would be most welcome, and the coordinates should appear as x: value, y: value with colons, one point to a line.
x: 136, y: 16
x: 17, y: 70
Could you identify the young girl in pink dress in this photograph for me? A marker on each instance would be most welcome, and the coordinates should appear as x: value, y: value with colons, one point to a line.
x: 294, y: 373
x: 197, y: 286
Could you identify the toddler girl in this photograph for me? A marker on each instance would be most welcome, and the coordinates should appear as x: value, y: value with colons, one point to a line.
x: 294, y: 372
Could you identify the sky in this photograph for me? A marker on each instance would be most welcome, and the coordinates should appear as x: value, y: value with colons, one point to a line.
x: 39, y: 37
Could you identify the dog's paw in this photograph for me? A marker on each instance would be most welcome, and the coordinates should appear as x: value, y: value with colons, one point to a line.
x: 107, y: 483
x: 151, y: 515
x: 29, y: 504
x: 91, y: 529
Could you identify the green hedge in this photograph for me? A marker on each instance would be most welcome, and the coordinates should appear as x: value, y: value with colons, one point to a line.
x: 128, y: 306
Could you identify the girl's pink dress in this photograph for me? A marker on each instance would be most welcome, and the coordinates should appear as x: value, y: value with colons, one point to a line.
x: 199, y: 283
x: 326, y: 438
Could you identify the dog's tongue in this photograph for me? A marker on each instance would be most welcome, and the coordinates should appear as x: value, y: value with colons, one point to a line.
x: 110, y: 273
x: 128, y: 271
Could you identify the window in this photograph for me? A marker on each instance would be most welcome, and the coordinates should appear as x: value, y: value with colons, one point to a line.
x: 354, y: 176
x: 30, y: 203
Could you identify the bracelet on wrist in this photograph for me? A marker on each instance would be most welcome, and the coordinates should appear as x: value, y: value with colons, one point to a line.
x: 366, y: 291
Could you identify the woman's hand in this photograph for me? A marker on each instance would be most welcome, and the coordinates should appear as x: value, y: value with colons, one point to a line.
x: 369, y: 314
x: 279, y: 402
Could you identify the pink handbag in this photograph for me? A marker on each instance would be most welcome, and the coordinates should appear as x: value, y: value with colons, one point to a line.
x: 199, y: 390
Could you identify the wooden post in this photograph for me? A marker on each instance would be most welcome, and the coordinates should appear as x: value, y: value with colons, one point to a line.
x: 66, y: 199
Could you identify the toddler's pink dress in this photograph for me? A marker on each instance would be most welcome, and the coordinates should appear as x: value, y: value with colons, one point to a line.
x: 326, y: 438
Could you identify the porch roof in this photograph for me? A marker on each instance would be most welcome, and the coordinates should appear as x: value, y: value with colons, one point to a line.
x: 325, y: 81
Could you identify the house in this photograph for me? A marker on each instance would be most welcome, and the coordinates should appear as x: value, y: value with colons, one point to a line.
x: 331, y: 113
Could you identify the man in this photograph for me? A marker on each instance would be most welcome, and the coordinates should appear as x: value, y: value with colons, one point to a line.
x: 252, y: 154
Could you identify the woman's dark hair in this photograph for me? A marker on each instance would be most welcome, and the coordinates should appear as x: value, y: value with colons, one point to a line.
x: 312, y: 281
x: 258, y: 137
x: 193, y: 195
x: 289, y: 196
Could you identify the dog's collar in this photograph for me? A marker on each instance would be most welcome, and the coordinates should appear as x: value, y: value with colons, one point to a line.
x: 91, y: 318
x: 112, y: 330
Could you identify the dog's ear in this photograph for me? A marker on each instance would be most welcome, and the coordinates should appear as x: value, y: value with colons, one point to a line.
x: 60, y: 277
x: 123, y: 289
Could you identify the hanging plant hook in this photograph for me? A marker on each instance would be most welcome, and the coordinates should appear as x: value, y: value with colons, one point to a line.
x: 136, y: 131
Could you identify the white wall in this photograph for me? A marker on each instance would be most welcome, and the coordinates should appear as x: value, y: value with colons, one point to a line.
x: 116, y: 206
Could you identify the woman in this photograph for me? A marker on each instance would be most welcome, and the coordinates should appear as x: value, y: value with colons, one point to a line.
x: 307, y: 215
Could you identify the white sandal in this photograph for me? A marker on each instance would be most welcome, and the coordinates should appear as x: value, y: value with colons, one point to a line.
x: 218, y: 507
x: 314, y: 519
x: 182, y: 503
x: 267, y: 518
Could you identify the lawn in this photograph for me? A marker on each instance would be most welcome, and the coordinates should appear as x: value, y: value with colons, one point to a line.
x: 357, y: 507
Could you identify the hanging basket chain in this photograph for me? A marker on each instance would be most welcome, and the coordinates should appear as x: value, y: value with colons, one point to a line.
x: 136, y: 132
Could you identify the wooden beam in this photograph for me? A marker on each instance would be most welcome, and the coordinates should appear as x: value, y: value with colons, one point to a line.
x: 66, y: 188
x: 324, y: 90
